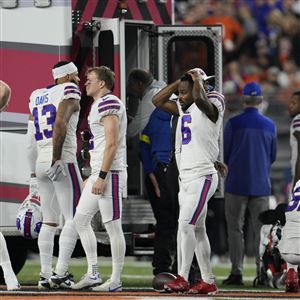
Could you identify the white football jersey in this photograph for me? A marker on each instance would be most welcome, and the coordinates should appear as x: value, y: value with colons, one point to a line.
x: 107, y: 105
x: 199, y: 139
x: 295, y: 126
x: 289, y: 242
x: 43, y: 105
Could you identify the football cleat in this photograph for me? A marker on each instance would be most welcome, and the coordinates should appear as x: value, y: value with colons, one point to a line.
x: 43, y: 283
x: 292, y: 281
x: 108, y: 286
x: 87, y: 281
x: 65, y: 281
x: 177, y: 285
x: 202, y: 287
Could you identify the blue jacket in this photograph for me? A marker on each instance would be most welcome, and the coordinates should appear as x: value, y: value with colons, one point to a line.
x: 155, y: 141
x: 249, y: 150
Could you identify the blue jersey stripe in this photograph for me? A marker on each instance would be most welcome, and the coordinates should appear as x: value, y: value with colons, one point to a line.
x: 108, y: 102
x: 108, y: 108
x: 68, y: 87
x: 72, y: 92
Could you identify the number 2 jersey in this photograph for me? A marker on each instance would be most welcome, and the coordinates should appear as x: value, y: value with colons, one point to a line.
x: 199, y: 139
x: 290, y: 241
x: 107, y: 105
x: 43, y: 105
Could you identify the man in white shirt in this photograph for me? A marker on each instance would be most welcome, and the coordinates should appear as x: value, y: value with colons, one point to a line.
x: 103, y: 189
x: 198, y: 130
x: 52, y: 128
x: 289, y: 245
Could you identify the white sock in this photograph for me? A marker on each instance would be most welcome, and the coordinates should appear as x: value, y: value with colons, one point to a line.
x: 118, y: 248
x: 4, y: 259
x: 88, y: 241
x: 179, y: 254
x: 46, y: 244
x: 203, y: 255
x: 67, y: 242
x: 188, y: 244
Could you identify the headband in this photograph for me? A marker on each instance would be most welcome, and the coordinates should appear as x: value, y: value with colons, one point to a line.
x: 64, y: 70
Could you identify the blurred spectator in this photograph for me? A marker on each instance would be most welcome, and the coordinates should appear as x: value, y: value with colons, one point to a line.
x: 233, y: 33
x: 291, y: 35
x: 289, y: 76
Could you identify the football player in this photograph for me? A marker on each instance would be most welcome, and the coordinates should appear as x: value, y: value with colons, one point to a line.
x: 289, y: 245
x: 52, y: 125
x: 9, y: 275
x: 103, y: 189
x: 197, y: 148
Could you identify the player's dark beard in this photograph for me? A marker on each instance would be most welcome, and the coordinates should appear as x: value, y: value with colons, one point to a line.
x: 186, y: 106
x: 74, y: 81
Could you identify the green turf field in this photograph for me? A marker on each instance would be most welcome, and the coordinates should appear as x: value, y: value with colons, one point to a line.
x: 135, y: 274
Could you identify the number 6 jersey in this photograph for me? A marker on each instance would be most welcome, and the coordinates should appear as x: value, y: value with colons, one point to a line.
x: 43, y: 105
x: 199, y: 139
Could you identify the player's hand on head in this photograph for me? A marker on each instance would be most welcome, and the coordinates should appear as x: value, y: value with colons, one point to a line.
x: 195, y: 73
x: 98, y: 186
x: 56, y: 170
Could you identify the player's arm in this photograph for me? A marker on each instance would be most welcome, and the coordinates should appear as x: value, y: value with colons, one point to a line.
x: 64, y: 112
x: 162, y: 98
x: 297, y: 167
x: 200, y: 97
x: 31, y: 148
x: 5, y: 93
x: 178, y: 144
x: 111, y: 132
x: 147, y: 159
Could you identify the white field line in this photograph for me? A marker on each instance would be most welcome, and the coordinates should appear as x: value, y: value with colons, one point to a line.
x: 124, y: 275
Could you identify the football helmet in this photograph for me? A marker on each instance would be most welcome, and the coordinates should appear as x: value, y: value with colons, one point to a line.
x: 29, y: 217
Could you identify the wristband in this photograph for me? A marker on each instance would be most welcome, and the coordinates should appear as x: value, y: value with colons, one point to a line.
x: 102, y: 174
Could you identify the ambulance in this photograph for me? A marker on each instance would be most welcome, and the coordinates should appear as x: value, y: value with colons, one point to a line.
x: 36, y: 34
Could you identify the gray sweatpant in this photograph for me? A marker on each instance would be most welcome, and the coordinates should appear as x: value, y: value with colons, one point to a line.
x: 235, y: 208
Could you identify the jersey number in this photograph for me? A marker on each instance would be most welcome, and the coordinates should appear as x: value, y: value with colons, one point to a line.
x: 44, y: 118
x: 185, y: 130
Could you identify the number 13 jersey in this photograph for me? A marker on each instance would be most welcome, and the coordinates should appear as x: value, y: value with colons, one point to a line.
x: 43, y: 105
